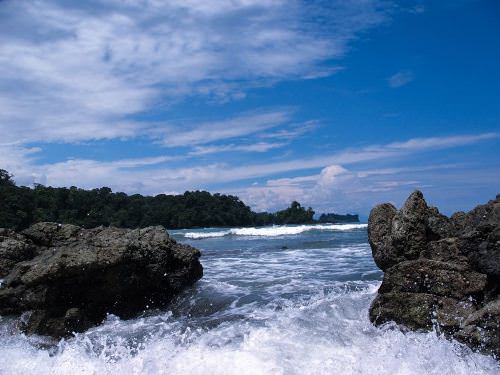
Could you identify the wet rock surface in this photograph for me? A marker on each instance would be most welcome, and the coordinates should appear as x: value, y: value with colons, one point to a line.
x: 62, y: 279
x: 439, y: 272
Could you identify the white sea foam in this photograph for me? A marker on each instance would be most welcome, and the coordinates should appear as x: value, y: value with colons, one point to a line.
x: 259, y: 309
x: 274, y: 231
x: 328, y: 335
x: 197, y: 235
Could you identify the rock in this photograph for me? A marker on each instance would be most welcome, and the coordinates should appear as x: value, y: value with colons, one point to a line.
x: 438, y: 271
x: 482, y: 328
x: 14, y: 248
x: 379, y: 230
x: 67, y: 279
x: 433, y: 277
x: 410, y: 309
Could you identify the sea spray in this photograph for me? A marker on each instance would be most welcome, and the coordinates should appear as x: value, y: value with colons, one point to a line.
x: 260, y: 309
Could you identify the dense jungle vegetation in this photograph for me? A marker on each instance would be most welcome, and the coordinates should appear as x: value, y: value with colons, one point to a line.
x: 21, y: 206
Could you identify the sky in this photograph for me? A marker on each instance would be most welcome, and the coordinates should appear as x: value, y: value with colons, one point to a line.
x: 337, y: 104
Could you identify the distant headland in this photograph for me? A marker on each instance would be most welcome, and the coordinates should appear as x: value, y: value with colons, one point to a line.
x: 338, y: 218
x: 23, y: 206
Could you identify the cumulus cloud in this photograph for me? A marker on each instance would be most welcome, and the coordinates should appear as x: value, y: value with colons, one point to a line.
x: 357, y: 191
x: 329, y: 176
x: 344, y: 187
x: 339, y: 181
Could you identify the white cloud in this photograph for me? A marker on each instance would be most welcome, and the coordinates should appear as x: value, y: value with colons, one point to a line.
x: 351, y: 191
x: 329, y: 176
x: 441, y: 142
x: 207, y: 132
x: 326, y: 186
x: 337, y: 170
x: 72, y: 71
x: 255, y: 147
x: 400, y: 79
x: 341, y: 189
x: 19, y: 160
x: 292, y: 132
x: 394, y: 150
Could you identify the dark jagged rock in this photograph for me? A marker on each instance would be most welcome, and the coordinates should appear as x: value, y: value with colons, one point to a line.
x: 439, y: 271
x: 63, y: 279
x: 14, y: 248
x: 379, y: 230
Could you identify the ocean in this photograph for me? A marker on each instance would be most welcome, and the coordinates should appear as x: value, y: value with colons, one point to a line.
x: 273, y: 300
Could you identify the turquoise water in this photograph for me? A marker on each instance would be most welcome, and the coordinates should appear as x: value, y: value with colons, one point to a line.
x: 275, y: 300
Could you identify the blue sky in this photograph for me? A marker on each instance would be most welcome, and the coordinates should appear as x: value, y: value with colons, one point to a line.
x: 337, y: 104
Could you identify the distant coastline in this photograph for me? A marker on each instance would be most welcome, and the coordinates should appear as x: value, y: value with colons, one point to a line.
x: 338, y: 218
x: 23, y: 206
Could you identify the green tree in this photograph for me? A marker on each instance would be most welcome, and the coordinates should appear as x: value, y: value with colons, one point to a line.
x: 295, y: 214
x: 23, y: 206
x: 6, y: 178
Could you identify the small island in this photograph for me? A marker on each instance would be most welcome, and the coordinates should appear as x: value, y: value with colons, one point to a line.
x: 338, y: 218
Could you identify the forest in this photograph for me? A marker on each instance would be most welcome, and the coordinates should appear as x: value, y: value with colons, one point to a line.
x: 21, y: 206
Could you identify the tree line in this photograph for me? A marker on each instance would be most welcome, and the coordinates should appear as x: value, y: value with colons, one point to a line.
x: 21, y: 206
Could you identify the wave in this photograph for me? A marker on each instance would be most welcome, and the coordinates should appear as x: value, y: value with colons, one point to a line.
x: 329, y: 334
x: 274, y: 231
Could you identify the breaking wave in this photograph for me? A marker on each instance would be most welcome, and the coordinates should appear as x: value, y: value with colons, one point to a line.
x: 329, y: 334
x: 274, y: 231
x: 265, y: 305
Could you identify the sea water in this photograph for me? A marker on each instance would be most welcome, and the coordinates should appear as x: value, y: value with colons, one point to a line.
x: 273, y: 300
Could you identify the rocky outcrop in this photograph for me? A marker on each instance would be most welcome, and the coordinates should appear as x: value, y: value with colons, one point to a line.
x: 63, y: 279
x: 14, y: 248
x: 439, y: 272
